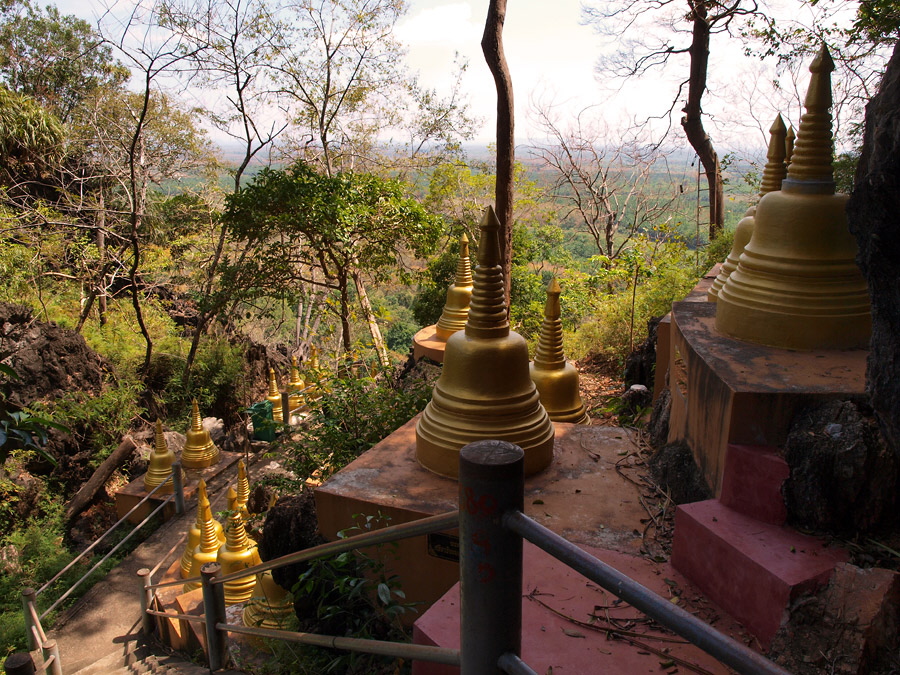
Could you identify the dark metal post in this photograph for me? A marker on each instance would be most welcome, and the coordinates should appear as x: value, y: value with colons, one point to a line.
x: 146, y: 600
x: 19, y: 663
x: 28, y: 597
x: 490, y: 484
x: 286, y: 408
x: 214, y: 609
x: 178, y: 487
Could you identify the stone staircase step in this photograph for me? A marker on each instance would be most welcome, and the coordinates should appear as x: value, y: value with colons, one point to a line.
x: 750, y: 568
x: 752, y: 481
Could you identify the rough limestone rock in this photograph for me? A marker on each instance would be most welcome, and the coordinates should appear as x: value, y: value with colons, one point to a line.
x: 636, y: 399
x: 291, y: 525
x: 658, y: 428
x: 640, y: 364
x: 872, y: 218
x: 675, y: 471
x: 849, y: 627
x: 843, y: 476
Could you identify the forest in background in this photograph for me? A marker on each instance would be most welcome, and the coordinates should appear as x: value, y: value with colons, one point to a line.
x: 121, y: 220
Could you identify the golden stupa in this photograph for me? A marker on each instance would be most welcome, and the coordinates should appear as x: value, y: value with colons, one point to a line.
x: 773, y: 173
x: 207, y: 550
x: 485, y: 390
x: 270, y: 606
x: 159, y: 464
x: 274, y: 397
x: 456, y: 309
x: 199, y: 450
x: 296, y: 385
x: 196, y: 531
x: 243, y: 489
x: 789, y: 139
x: 554, y: 376
x: 797, y: 285
x: 237, y: 553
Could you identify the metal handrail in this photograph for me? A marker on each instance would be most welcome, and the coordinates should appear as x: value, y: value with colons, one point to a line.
x: 107, y: 556
x: 492, y: 528
x: 102, y: 537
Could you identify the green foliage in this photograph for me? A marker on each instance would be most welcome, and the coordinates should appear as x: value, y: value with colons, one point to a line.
x: 350, y: 595
x: 353, y: 414
x: 434, y: 281
x: 640, y: 284
x: 20, y: 429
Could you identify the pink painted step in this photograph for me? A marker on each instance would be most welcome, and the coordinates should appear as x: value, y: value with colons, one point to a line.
x: 551, y: 643
x: 749, y: 568
x: 752, y: 481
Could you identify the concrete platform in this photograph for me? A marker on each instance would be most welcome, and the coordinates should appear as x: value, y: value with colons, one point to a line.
x: 752, y: 569
x: 553, y: 644
x: 129, y: 496
x: 427, y: 343
x: 579, y: 496
x: 727, y: 391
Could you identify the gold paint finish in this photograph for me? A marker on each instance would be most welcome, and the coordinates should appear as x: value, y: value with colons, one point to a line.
x: 195, y: 533
x: 554, y: 376
x: 270, y: 605
x: 274, y: 397
x: 236, y: 554
x: 159, y: 464
x: 199, y: 450
x: 207, y: 550
x: 773, y: 174
x: 296, y: 383
x: 459, y: 295
x: 243, y: 489
x: 485, y: 390
x: 797, y: 285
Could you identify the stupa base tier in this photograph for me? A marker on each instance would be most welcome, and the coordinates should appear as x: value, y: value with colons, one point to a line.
x: 761, y: 325
x: 728, y: 391
x: 579, y: 496
x: 427, y: 343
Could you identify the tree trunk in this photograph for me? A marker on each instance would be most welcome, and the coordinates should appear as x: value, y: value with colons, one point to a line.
x: 101, y: 249
x: 345, y: 310
x: 872, y: 217
x: 85, y: 496
x: 377, y: 339
x: 492, y: 47
x: 692, y: 121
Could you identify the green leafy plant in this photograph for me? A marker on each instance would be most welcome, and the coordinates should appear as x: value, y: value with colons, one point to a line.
x: 20, y: 429
x: 351, y: 595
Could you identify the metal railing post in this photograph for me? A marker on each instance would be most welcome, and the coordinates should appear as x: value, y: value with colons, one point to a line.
x: 178, y: 487
x: 50, y: 652
x: 214, y: 609
x: 28, y: 598
x: 286, y: 408
x: 490, y: 484
x: 147, y: 622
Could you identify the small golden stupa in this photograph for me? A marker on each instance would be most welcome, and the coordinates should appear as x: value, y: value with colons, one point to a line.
x: 485, y: 391
x: 270, y: 605
x: 789, y: 139
x: 296, y: 384
x: 199, y: 450
x: 243, y: 489
x: 159, y: 465
x: 456, y: 309
x: 773, y: 173
x: 196, y: 531
x: 274, y: 397
x: 207, y: 550
x: 237, y: 553
x: 797, y: 285
x: 554, y: 376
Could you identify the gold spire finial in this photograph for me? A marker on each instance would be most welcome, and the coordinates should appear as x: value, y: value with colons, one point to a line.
x: 811, y: 170
x: 208, y: 543
x: 556, y: 379
x: 274, y: 397
x: 196, y: 531
x: 487, y: 309
x: 459, y: 295
x: 789, y: 139
x: 243, y: 489
x: 159, y: 464
x: 199, y: 450
x: 237, y: 553
x: 775, y: 169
